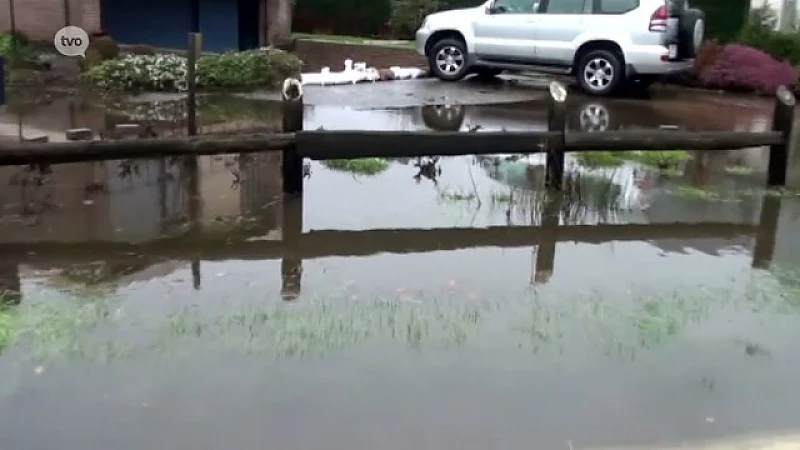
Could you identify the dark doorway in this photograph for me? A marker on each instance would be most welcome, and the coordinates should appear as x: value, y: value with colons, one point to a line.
x: 249, y: 13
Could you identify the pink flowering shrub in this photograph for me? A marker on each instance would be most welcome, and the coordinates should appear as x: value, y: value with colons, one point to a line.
x: 742, y: 68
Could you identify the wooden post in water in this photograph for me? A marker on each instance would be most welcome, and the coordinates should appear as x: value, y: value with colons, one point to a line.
x: 783, y: 122
x: 292, y: 231
x: 292, y: 164
x: 2, y: 81
x: 10, y: 286
x: 556, y: 121
x: 191, y: 169
x: 195, y: 45
x: 546, y: 251
x: 767, y: 231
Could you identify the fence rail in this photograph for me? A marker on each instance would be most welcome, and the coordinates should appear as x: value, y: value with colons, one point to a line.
x: 296, y: 143
x: 294, y: 246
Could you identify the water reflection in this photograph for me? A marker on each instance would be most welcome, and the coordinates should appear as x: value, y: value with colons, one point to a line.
x: 201, y: 227
x: 149, y: 295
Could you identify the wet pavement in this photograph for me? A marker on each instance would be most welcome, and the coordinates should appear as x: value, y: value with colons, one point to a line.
x: 184, y: 303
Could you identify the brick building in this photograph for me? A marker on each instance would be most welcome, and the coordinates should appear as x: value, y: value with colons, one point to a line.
x: 225, y: 24
x: 40, y: 19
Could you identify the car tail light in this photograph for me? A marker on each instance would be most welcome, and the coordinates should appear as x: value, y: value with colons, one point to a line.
x: 658, y: 20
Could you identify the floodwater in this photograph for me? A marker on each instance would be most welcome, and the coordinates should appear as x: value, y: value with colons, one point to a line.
x: 184, y: 304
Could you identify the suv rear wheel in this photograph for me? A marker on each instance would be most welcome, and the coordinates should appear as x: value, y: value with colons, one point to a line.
x: 599, y: 72
x: 691, y: 33
x: 448, y: 60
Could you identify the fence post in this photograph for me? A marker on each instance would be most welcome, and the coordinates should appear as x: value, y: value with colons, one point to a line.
x: 10, y: 285
x: 292, y: 233
x: 783, y: 122
x: 767, y: 233
x: 556, y: 122
x: 292, y: 164
x: 2, y: 81
x: 195, y: 45
x: 546, y: 250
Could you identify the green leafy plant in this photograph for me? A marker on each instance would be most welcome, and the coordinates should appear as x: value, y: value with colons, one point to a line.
x: 10, y: 43
x: 100, y: 49
x: 407, y: 15
x: 660, y: 159
x: 361, y: 166
x: 233, y: 70
x: 760, y: 33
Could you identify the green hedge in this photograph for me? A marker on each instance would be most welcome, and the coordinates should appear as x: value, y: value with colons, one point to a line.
x: 724, y: 19
x: 354, y: 17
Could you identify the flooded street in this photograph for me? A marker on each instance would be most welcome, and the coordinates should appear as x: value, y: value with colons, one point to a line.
x: 435, y: 303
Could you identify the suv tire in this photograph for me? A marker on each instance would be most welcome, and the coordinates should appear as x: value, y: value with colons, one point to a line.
x: 599, y: 72
x: 448, y: 60
x: 691, y: 33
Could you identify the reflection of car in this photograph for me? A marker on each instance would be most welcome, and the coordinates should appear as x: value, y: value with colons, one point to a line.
x: 443, y: 117
x: 600, y: 115
x: 604, y: 43
x: 589, y: 116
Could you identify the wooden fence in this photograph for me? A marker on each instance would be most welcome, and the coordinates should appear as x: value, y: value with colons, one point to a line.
x: 293, y: 246
x: 296, y: 143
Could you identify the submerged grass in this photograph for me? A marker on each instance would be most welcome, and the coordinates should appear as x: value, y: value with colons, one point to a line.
x: 669, y: 159
x: 738, y: 170
x: 454, y: 196
x: 360, y: 166
x: 104, y: 330
x: 732, y: 196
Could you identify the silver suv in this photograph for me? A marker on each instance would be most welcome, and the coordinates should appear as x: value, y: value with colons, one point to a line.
x: 605, y: 44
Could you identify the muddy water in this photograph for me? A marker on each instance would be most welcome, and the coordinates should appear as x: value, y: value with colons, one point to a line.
x: 175, y: 304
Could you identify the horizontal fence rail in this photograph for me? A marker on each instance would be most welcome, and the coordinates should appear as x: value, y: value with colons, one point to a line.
x: 330, y: 243
x: 292, y: 246
x: 296, y: 144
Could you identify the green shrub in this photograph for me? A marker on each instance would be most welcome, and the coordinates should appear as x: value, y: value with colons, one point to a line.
x: 724, y: 19
x: 23, y: 76
x: 7, y: 41
x: 760, y: 34
x: 160, y: 73
x: 233, y: 70
x: 17, y: 43
x: 253, y: 68
x: 362, y: 18
x: 407, y: 16
x: 100, y: 49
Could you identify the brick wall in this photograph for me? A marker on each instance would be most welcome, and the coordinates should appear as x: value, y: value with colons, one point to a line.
x: 40, y: 19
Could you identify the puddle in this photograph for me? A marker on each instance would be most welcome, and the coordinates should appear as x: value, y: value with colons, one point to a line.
x: 446, y: 303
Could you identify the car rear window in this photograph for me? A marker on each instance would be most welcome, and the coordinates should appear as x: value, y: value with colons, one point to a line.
x: 616, y: 6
